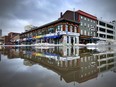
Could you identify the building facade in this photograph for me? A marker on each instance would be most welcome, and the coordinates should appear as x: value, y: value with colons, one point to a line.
x: 105, y: 31
x: 114, y: 24
x: 72, y: 28
x: 59, y: 32
x: 7, y: 40
x: 88, y: 22
x: 15, y: 39
x: 87, y: 26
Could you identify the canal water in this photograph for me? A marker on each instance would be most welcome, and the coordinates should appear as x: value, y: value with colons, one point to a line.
x: 57, y: 67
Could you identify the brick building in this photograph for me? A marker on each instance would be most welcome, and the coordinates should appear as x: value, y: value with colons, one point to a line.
x: 59, y: 32
x: 7, y: 40
x: 88, y: 22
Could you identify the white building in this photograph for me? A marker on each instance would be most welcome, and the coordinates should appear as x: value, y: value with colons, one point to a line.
x: 105, y: 31
x: 114, y: 24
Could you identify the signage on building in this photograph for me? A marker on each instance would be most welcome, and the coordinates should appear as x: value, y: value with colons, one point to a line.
x: 93, y: 28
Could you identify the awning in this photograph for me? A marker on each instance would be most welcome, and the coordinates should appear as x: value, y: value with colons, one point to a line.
x: 38, y: 36
x: 29, y: 39
x: 55, y: 36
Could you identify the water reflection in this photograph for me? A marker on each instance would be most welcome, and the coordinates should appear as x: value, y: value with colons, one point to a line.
x: 73, y: 64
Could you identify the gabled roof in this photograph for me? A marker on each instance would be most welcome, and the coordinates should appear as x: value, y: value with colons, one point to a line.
x: 73, y: 15
x: 69, y: 15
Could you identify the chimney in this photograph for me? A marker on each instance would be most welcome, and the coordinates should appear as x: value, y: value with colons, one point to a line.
x: 61, y: 15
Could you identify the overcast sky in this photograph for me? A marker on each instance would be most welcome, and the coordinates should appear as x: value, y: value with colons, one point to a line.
x: 16, y: 14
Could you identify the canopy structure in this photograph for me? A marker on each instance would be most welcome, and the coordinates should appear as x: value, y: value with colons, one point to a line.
x: 53, y: 37
x: 37, y: 37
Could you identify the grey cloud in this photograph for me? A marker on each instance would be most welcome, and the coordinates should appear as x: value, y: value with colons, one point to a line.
x: 103, y: 8
x: 39, y: 12
x: 36, y: 11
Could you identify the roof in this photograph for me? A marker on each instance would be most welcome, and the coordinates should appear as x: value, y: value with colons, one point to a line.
x: 73, y: 15
x: 86, y: 14
x: 13, y: 33
x: 70, y: 15
x: 57, y: 21
x: 54, y: 22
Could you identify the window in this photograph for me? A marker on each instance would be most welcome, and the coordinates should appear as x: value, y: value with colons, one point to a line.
x: 81, y: 17
x: 66, y: 26
x: 84, y: 18
x: 102, y: 23
x: 88, y: 33
x: 94, y: 34
x: 91, y: 33
x: 81, y: 31
x: 91, y: 20
x: 88, y: 25
x: 75, y: 29
x: 61, y: 27
x: 50, y: 30
x: 85, y: 32
x: 71, y: 28
x: 85, y: 24
x: 81, y: 23
x: 91, y: 26
x: 88, y: 19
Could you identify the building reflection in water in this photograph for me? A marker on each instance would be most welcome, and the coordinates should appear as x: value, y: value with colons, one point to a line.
x: 73, y: 64
x: 0, y: 53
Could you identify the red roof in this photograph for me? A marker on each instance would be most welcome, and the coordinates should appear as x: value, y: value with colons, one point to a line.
x: 86, y: 15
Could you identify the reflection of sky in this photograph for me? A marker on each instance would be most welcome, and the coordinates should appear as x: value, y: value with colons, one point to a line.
x: 0, y: 56
x: 13, y: 73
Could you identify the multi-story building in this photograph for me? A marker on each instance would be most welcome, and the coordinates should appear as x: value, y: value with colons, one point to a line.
x: 11, y: 35
x: 7, y: 40
x: 59, y: 32
x: 106, y: 31
x: 15, y: 39
x: 88, y: 22
x: 67, y: 31
x: 87, y: 26
x: 114, y: 24
x: 105, y: 59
